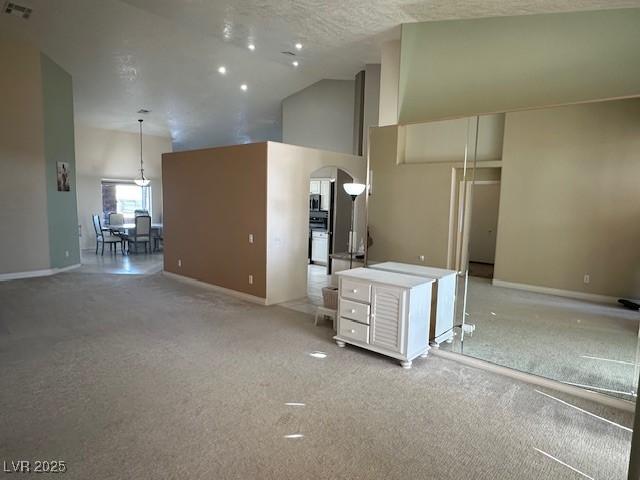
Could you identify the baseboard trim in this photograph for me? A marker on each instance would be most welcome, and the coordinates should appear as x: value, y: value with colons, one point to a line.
x: 530, y: 378
x: 4, y: 277
x: 592, y: 297
x: 198, y: 283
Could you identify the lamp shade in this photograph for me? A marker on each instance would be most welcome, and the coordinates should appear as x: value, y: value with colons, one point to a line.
x: 354, y: 189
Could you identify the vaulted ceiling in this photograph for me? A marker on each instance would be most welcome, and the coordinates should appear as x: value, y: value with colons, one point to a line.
x: 164, y: 55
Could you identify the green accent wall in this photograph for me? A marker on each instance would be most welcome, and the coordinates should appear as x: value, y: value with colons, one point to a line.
x: 64, y: 249
x: 460, y: 68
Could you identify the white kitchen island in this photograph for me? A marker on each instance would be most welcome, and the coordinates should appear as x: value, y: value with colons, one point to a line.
x: 386, y: 312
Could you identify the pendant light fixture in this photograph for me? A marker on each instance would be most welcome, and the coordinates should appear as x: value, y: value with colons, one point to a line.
x: 141, y: 181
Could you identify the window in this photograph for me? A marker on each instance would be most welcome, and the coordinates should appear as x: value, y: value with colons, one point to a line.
x: 125, y: 198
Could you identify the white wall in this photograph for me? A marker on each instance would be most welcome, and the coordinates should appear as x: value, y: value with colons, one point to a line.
x: 113, y: 155
x: 24, y: 243
x: 389, y: 83
x: 320, y: 116
x: 457, y: 68
x: 289, y: 168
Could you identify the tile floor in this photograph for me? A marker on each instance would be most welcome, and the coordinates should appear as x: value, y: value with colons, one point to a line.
x: 133, y: 264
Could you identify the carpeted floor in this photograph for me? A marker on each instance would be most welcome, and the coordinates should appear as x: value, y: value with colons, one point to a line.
x: 574, y: 341
x: 144, y: 377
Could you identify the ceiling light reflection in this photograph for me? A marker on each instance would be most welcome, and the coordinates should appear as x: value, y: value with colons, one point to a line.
x: 564, y: 464
x: 295, y: 404
x: 294, y: 435
x: 585, y: 411
x: 318, y: 354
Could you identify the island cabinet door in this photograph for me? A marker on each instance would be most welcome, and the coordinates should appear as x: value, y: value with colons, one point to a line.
x: 387, y: 308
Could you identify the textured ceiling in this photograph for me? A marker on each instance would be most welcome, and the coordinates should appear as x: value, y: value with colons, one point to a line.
x: 163, y: 54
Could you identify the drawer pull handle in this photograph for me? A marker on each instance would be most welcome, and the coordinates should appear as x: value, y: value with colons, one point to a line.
x: 352, y: 331
x: 353, y: 310
x: 355, y: 290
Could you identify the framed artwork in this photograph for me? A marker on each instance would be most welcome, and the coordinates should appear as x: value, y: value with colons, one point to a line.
x: 63, y: 177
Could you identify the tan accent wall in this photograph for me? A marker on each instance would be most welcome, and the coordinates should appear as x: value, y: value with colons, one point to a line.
x: 24, y: 244
x: 570, y: 201
x: 213, y: 199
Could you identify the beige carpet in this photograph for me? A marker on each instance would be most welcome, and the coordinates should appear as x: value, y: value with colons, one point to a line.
x: 570, y: 340
x: 147, y: 378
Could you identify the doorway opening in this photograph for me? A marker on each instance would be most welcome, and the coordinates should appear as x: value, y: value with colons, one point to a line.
x: 474, y: 228
x: 329, y: 225
x: 483, y: 228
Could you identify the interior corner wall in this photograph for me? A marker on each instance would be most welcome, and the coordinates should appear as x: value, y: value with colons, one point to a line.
x: 288, y: 172
x: 103, y: 154
x: 459, y: 68
x: 24, y: 243
x: 213, y: 199
x: 64, y: 249
x: 409, y: 207
x: 569, y: 202
x: 321, y: 116
x: 389, y: 83
x: 371, y: 102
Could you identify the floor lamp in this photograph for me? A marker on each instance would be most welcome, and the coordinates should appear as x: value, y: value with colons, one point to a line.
x: 353, y: 190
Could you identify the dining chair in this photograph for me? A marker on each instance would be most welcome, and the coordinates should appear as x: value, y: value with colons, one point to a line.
x: 116, y: 219
x: 105, y: 237
x: 142, y: 234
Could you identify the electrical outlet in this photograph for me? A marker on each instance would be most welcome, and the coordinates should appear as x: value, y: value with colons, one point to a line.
x: 179, y: 262
x: 421, y: 257
x: 250, y: 279
x: 251, y: 238
x: 587, y: 278
x: 66, y: 253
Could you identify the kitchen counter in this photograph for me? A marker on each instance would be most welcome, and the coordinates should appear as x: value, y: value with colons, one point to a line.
x: 347, y: 256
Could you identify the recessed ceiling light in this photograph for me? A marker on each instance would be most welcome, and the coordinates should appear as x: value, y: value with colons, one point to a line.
x: 222, y: 70
x: 243, y: 87
x: 251, y: 47
x: 144, y: 111
x: 295, y: 63
x: 298, y: 46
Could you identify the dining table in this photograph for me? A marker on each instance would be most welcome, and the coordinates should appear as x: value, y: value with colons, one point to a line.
x: 130, y: 229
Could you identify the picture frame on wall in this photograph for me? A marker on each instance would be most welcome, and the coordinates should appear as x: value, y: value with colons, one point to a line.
x: 64, y: 174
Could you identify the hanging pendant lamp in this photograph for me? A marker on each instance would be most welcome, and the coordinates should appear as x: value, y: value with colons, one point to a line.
x: 141, y: 181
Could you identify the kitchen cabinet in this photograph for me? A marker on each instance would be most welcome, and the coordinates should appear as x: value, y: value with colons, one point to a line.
x: 386, y: 312
x: 319, y: 247
x: 325, y: 194
x: 322, y: 187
